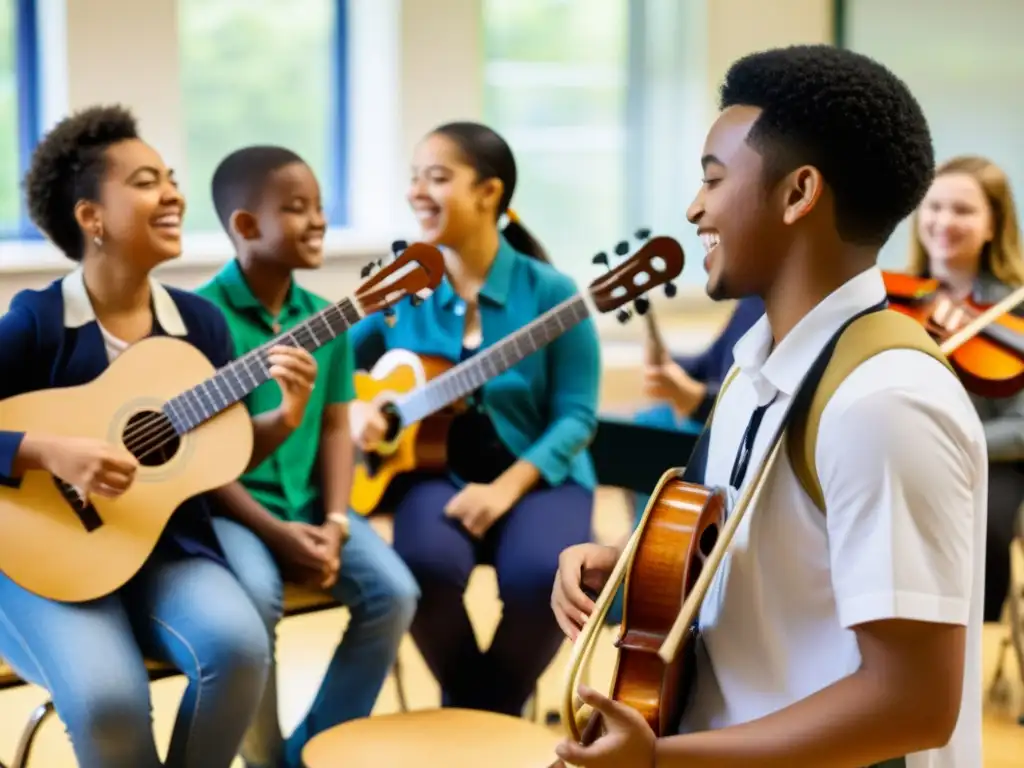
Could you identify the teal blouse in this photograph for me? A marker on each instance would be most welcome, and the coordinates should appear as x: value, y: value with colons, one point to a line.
x: 544, y: 408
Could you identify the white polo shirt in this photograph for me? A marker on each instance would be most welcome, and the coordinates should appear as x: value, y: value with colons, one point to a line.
x: 902, y: 463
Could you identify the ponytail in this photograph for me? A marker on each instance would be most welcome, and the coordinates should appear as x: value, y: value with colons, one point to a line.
x: 519, y: 237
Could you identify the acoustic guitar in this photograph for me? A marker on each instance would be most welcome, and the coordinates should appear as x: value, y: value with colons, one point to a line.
x: 185, y: 423
x: 408, y: 388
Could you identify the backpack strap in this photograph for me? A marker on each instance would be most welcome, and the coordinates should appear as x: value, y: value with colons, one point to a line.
x: 864, y: 338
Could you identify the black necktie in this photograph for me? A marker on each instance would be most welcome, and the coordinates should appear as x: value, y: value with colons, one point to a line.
x: 742, y: 460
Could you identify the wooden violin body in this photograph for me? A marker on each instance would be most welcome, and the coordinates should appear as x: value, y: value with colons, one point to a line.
x: 991, y: 362
x: 680, y: 528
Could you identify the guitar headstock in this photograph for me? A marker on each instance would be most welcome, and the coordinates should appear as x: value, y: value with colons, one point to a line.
x: 415, y: 271
x: 658, y: 261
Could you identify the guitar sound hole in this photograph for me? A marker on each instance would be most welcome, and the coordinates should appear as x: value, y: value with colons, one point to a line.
x: 151, y: 438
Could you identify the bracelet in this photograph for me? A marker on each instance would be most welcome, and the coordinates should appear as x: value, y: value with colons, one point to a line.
x: 340, y: 519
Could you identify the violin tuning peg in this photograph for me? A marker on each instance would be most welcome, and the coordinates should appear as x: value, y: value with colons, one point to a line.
x: 670, y: 289
x: 621, y: 248
x: 643, y: 234
x: 642, y: 305
x: 366, y: 270
x: 388, y: 311
x: 623, y: 315
x: 415, y: 300
x: 601, y: 258
x: 398, y: 246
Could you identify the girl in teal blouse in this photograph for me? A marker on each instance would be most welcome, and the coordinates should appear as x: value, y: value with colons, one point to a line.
x: 528, y: 492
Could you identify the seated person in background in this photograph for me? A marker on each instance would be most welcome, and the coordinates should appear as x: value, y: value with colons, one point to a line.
x: 533, y: 420
x: 106, y: 199
x: 689, y: 385
x: 966, y: 236
x: 288, y: 519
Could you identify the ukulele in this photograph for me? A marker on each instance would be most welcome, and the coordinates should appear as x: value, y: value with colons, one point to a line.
x: 183, y: 421
x: 409, y: 388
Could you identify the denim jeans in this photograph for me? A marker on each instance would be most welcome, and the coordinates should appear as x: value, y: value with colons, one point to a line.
x: 188, y: 611
x: 381, y: 596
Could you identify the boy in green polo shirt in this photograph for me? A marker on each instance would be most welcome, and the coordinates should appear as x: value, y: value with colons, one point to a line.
x: 288, y: 519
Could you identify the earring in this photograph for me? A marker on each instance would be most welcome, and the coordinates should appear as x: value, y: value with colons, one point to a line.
x: 97, y: 240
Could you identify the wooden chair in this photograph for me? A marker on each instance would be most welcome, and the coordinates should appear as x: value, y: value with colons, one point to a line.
x: 297, y: 602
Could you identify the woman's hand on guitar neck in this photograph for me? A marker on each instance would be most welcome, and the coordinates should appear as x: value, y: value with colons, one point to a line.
x: 584, y: 565
x: 92, y: 466
x: 367, y: 425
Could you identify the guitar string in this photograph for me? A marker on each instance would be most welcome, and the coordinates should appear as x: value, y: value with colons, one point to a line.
x: 159, y: 425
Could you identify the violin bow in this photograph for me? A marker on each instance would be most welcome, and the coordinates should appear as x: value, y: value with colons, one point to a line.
x: 978, y: 324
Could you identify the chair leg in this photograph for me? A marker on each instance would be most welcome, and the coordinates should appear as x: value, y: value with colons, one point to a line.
x: 396, y: 672
x: 28, y: 736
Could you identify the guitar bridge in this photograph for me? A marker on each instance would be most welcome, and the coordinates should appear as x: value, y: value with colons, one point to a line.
x: 81, y: 506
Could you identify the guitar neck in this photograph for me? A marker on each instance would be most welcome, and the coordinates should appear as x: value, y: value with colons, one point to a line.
x: 237, y: 379
x: 456, y: 383
x: 655, y: 348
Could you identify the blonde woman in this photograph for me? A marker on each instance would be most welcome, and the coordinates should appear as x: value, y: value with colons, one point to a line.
x: 966, y: 235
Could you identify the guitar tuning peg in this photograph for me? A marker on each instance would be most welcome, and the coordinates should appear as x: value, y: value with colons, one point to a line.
x: 601, y: 258
x: 622, y: 248
x: 366, y: 270
x: 623, y: 315
x: 670, y: 289
x: 388, y: 311
x: 643, y: 234
x: 642, y: 305
x: 415, y: 300
x: 398, y: 246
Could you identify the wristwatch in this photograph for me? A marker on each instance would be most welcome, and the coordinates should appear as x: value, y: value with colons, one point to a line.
x: 340, y: 519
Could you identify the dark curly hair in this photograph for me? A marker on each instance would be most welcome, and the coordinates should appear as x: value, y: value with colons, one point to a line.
x: 68, y: 166
x: 848, y: 116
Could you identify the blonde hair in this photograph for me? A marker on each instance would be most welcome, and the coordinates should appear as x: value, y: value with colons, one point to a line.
x: 1002, y: 256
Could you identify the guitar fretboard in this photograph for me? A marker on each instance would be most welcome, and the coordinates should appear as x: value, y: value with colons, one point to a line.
x: 470, y: 375
x: 234, y: 381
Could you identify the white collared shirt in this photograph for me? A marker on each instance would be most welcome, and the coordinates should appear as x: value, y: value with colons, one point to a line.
x: 902, y: 462
x: 78, y: 311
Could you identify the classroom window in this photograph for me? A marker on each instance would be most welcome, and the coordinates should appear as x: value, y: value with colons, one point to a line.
x: 962, y: 62
x: 267, y: 72
x: 555, y: 88
x: 10, y: 158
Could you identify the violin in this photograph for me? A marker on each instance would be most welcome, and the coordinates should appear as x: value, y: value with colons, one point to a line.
x: 984, y: 344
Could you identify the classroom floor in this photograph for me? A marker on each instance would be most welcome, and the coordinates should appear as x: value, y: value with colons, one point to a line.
x: 306, y: 643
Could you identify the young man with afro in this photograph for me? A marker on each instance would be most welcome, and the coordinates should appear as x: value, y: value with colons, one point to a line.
x: 848, y: 637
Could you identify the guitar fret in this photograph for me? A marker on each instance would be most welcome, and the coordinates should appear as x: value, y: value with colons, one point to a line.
x: 234, y: 381
x: 475, y: 372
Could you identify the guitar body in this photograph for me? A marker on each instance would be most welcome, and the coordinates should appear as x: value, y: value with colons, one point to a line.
x: 419, y: 446
x: 50, y: 549
x: 682, y: 526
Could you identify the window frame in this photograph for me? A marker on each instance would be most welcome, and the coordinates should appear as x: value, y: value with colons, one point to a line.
x: 27, y: 73
x: 339, y: 213
x: 28, y: 84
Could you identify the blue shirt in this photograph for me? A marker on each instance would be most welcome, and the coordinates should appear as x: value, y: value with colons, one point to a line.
x: 50, y: 338
x: 544, y: 408
x: 711, y: 366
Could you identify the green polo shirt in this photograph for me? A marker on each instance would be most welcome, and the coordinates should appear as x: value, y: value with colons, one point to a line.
x: 288, y: 482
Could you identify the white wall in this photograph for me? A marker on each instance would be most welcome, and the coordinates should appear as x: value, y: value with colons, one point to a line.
x: 413, y: 64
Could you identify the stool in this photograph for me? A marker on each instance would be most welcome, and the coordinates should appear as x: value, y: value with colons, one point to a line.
x: 452, y: 738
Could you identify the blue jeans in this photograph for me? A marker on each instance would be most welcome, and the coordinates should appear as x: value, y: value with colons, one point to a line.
x: 381, y: 596
x: 523, y: 546
x: 188, y: 611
